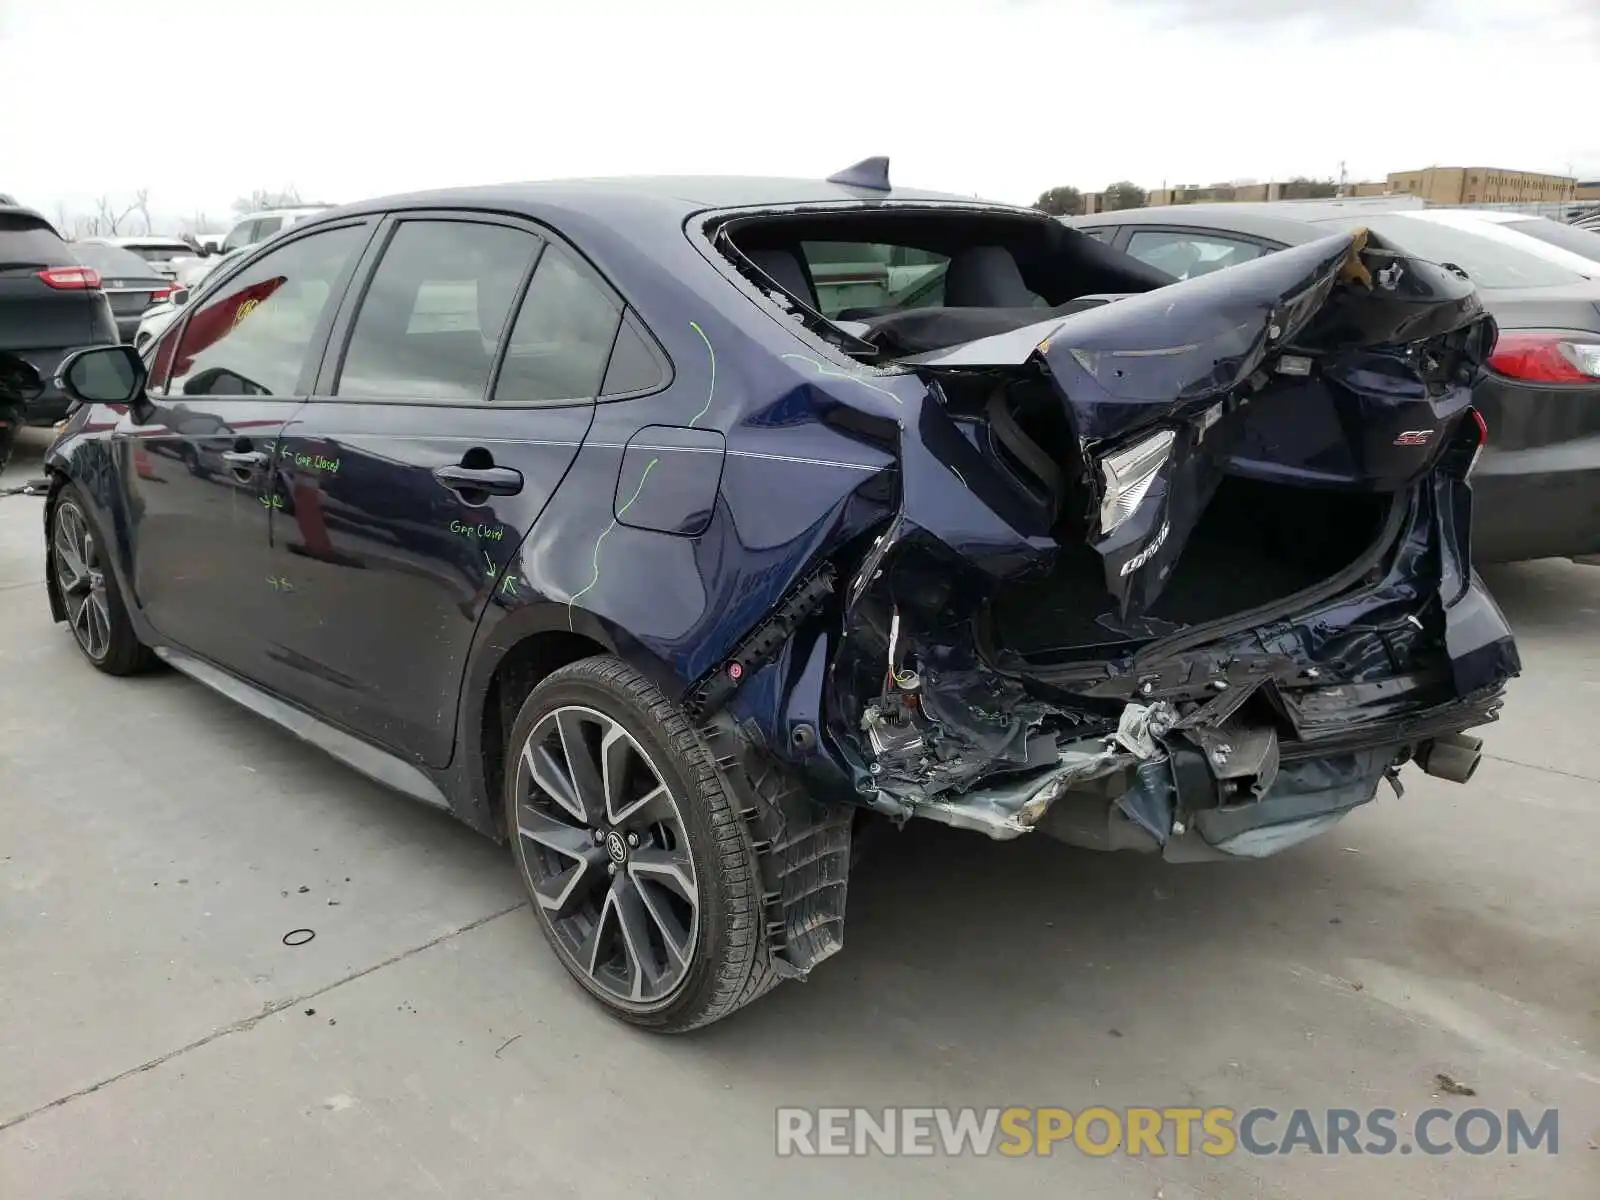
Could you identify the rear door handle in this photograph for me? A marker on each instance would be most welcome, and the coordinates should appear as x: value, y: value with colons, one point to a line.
x: 241, y: 460
x: 496, y: 481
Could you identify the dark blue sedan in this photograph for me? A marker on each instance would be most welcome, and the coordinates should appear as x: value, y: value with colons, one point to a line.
x: 669, y: 530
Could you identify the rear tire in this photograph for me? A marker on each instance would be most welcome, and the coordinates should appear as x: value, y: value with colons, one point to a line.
x: 641, y: 871
x: 77, y: 562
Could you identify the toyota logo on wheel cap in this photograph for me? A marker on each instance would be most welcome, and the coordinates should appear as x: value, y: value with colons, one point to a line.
x: 616, y: 847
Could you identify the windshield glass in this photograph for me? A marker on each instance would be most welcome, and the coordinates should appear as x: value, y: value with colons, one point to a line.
x: 111, y: 261
x: 1488, y: 263
x: 1569, y: 237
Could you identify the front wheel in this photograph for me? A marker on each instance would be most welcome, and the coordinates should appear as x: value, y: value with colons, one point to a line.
x: 641, y: 872
x: 77, y: 562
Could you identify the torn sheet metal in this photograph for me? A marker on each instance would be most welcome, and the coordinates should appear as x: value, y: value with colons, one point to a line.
x: 1140, y: 726
x: 1011, y: 809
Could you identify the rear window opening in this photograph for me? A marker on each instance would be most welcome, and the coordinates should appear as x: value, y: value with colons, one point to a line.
x: 912, y: 279
x: 1256, y: 543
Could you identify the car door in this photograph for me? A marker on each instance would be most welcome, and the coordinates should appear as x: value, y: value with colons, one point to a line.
x: 196, y: 461
x: 459, y: 387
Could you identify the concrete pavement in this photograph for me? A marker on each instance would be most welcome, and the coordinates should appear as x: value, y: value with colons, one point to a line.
x: 158, y: 1041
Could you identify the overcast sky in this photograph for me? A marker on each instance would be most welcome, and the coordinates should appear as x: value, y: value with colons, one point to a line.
x: 204, y: 100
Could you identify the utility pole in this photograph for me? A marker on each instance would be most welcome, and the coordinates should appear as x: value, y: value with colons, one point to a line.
x: 1341, y: 178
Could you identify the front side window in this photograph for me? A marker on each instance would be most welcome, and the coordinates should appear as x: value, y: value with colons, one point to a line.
x: 255, y: 335
x: 1186, y: 254
x: 266, y: 227
x: 563, y: 335
x: 873, y: 275
x: 431, y: 319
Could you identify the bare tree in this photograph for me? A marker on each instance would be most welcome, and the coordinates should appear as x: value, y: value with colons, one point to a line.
x: 141, y: 205
x: 107, y: 220
x: 261, y: 198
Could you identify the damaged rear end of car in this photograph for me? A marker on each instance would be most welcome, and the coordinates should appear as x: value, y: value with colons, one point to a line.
x: 1257, y: 606
x: 1184, y: 569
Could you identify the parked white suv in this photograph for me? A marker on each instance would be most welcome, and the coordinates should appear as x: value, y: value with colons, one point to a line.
x: 259, y: 226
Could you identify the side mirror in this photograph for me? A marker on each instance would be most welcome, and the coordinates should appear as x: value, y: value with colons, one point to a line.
x: 178, y: 297
x: 102, y: 375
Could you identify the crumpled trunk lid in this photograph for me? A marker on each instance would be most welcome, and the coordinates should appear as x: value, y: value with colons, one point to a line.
x: 1337, y: 364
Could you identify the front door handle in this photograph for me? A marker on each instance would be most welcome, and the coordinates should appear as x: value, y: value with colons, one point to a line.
x: 243, y: 460
x: 495, y: 481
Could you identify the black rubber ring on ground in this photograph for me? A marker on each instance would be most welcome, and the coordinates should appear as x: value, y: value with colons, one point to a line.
x: 310, y: 933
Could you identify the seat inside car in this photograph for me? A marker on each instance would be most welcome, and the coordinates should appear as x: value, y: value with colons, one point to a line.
x: 986, y: 277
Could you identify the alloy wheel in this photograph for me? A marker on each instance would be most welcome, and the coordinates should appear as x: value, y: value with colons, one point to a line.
x: 81, y: 578
x: 606, y: 853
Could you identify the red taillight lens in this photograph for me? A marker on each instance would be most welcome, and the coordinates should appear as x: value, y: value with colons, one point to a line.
x: 1483, y: 440
x: 164, y: 294
x: 1547, y: 357
x: 71, y: 279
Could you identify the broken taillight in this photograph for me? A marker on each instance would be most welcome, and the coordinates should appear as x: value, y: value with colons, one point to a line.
x: 1126, y: 477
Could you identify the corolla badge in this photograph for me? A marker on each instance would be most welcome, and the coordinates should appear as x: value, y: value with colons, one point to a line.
x: 1149, y: 552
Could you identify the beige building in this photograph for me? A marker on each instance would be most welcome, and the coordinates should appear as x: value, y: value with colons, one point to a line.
x: 1482, y: 185
x: 1257, y: 193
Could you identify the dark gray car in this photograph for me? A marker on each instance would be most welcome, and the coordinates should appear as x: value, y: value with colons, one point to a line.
x: 50, y: 304
x: 130, y: 283
x: 1537, y: 491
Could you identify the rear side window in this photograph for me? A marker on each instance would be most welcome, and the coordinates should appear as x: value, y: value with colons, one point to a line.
x: 874, y: 275
x: 1487, y: 262
x: 27, y: 241
x: 562, y: 340
x: 431, y: 319
x: 636, y: 365
x: 257, y: 334
x: 1186, y: 254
